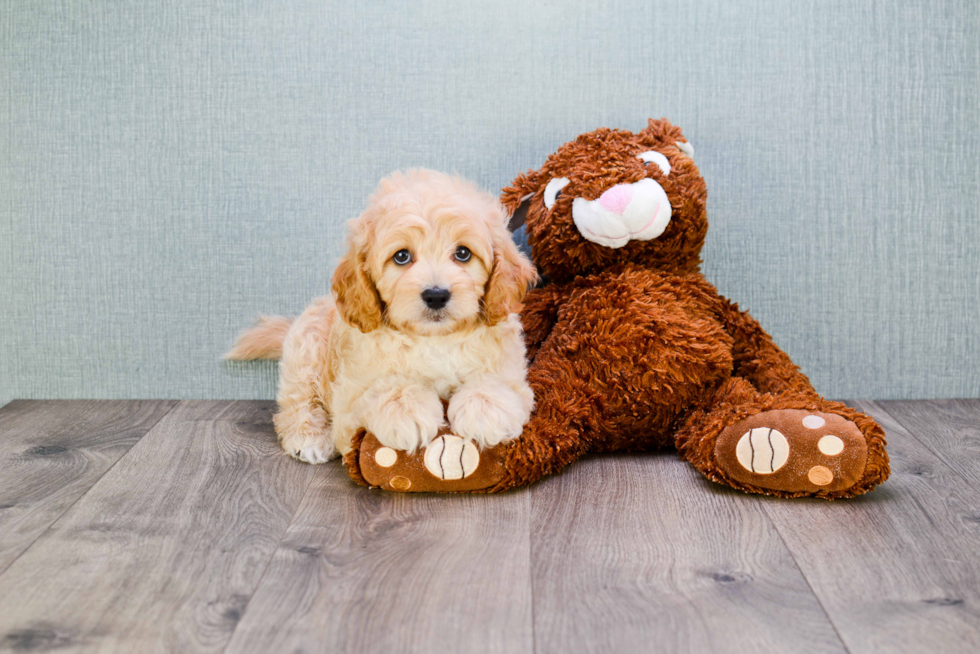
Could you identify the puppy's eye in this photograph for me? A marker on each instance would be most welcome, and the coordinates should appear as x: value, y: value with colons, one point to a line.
x: 651, y: 156
x: 463, y: 254
x: 402, y: 257
x: 553, y: 189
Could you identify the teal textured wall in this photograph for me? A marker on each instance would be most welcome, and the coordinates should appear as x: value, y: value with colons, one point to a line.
x: 168, y: 170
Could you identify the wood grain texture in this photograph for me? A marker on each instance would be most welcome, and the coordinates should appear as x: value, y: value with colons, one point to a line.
x: 898, y: 569
x: 638, y: 553
x: 165, y: 550
x: 202, y: 536
x: 950, y: 429
x: 369, y: 571
x: 51, y: 453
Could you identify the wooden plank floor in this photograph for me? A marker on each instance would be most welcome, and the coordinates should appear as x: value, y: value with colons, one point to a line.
x: 165, y: 526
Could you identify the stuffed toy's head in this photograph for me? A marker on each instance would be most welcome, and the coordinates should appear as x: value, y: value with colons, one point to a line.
x: 611, y: 197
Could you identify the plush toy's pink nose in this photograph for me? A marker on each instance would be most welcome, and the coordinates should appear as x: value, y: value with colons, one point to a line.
x: 617, y: 198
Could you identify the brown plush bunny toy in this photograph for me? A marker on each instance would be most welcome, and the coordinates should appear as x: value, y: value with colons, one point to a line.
x: 633, y: 349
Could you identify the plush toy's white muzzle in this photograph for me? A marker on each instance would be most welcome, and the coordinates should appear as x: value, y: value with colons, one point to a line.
x: 623, y: 213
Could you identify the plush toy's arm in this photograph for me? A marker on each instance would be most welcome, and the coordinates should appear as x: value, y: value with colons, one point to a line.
x: 758, y: 359
x: 539, y: 315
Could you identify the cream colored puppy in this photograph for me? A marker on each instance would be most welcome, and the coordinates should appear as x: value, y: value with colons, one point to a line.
x: 422, y: 311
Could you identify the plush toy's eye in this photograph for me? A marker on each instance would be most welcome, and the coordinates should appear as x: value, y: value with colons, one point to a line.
x: 553, y: 189
x: 463, y: 254
x: 651, y: 156
x: 402, y: 257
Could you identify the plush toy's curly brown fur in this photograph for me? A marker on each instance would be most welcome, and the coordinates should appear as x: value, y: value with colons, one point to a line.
x: 634, y: 350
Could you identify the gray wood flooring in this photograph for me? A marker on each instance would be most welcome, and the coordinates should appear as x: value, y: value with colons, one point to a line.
x: 179, y: 526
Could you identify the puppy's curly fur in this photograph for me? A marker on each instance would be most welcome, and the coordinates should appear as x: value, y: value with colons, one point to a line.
x: 376, y: 355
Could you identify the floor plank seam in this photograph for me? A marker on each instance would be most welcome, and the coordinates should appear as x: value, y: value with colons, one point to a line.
x: 89, y: 489
x: 530, y: 568
x: 268, y: 564
x: 816, y: 596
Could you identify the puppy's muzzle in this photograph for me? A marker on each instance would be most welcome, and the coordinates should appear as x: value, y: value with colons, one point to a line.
x: 435, y: 298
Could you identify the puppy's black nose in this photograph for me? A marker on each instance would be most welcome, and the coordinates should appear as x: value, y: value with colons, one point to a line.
x: 435, y: 298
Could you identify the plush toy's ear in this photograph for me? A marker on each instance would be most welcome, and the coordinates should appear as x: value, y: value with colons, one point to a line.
x: 511, y: 276
x: 661, y: 133
x: 356, y: 296
x: 519, y: 216
x: 517, y: 196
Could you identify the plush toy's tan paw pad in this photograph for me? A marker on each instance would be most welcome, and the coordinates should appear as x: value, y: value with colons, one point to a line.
x: 450, y: 457
x: 793, y: 450
x: 448, y: 464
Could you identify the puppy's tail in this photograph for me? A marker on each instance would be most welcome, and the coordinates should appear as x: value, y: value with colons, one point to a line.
x: 264, y: 341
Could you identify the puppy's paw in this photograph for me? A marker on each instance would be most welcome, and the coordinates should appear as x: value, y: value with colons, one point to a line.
x: 487, y: 416
x: 405, y: 418
x: 309, y: 447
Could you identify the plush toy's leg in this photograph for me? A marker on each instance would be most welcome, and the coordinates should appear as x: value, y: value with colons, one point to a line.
x: 556, y: 435
x: 785, y: 445
x: 561, y: 428
x: 768, y: 431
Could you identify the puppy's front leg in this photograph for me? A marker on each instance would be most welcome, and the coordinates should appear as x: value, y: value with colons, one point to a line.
x: 489, y: 411
x: 401, y: 414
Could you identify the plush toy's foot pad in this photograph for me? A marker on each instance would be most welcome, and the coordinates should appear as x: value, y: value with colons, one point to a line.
x: 793, y: 450
x: 449, y: 465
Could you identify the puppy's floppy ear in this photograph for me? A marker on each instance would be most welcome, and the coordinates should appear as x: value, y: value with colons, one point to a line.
x: 511, y: 276
x: 357, y: 298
